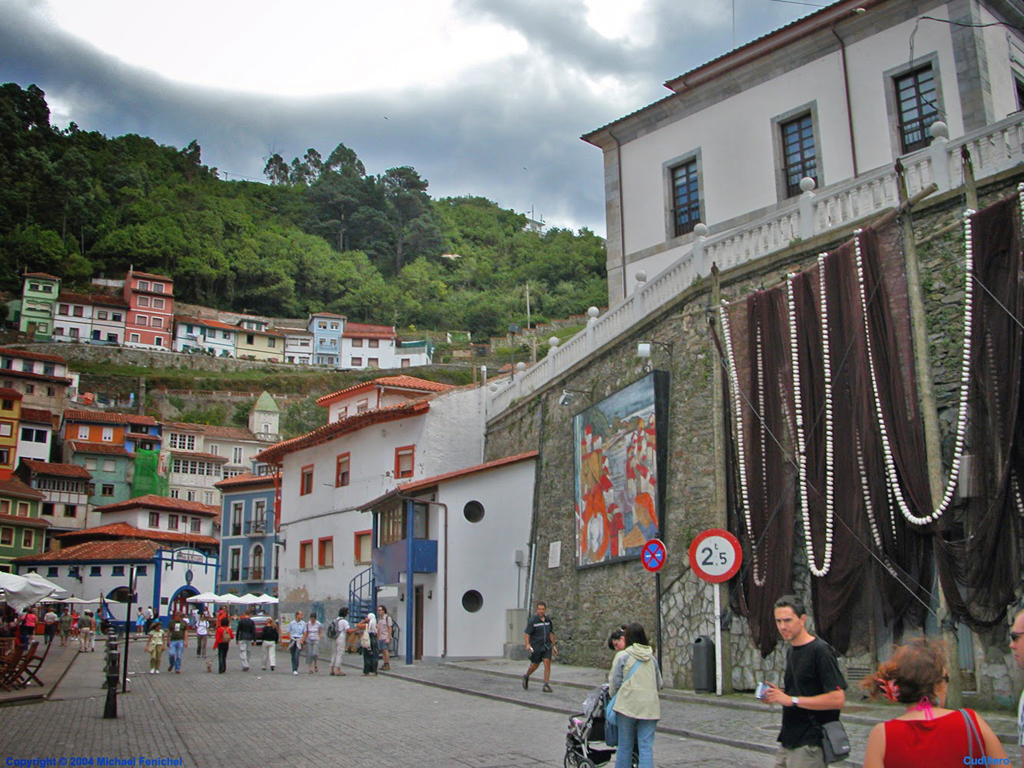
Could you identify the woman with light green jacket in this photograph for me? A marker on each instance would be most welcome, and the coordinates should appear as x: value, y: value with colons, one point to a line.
x: 634, y: 681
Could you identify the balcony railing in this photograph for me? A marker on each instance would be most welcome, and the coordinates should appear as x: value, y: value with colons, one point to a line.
x: 993, y: 149
x: 256, y: 528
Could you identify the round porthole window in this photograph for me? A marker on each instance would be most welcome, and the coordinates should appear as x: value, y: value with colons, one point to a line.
x: 474, y: 511
x: 472, y: 601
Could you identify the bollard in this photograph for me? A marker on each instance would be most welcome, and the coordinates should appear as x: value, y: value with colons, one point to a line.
x: 113, y: 663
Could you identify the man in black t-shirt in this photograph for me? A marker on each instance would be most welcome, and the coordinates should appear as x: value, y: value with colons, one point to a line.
x: 540, y: 644
x: 814, y: 689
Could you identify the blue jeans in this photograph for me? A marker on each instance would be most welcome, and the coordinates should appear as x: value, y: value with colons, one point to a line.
x: 632, y: 730
x: 176, y: 649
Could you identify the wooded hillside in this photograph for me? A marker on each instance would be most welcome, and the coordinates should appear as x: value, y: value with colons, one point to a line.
x: 322, y: 234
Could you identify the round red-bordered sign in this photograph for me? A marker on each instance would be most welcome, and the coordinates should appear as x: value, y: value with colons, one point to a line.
x: 715, y: 555
x: 653, y: 555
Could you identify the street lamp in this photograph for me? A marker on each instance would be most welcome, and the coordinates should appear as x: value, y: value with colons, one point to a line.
x: 513, y: 329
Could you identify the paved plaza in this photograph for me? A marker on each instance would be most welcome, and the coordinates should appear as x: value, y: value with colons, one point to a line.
x: 462, y: 714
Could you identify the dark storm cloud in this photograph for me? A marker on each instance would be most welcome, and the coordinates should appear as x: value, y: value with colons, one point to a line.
x: 508, y: 131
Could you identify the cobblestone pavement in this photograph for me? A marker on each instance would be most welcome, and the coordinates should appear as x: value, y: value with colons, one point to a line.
x: 262, y: 718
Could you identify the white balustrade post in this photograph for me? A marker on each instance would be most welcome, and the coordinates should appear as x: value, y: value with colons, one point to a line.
x: 701, y: 231
x: 638, y: 294
x: 938, y: 152
x: 592, y: 314
x: 807, y: 184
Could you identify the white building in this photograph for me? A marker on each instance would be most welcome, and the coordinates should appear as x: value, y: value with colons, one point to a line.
x: 65, y: 489
x: 835, y: 97
x: 377, y: 393
x: 377, y: 346
x: 203, y: 454
x: 159, y: 518
x: 72, y: 317
x: 471, y: 531
x: 165, y: 575
x: 329, y: 473
x: 196, y: 334
x: 298, y: 346
x: 35, y: 440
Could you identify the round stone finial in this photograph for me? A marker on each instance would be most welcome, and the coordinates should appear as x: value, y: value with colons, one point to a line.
x: 641, y: 276
x: 553, y: 342
x: 939, y: 130
x: 593, y: 312
x: 494, y: 387
x: 807, y: 184
x: 520, y: 367
x: 701, y: 230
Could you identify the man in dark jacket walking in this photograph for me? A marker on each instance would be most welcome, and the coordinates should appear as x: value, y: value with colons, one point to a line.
x: 245, y: 633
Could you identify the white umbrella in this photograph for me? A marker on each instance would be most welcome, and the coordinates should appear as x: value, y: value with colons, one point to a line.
x: 23, y: 591
x: 267, y: 600
x: 78, y: 601
x: 249, y: 599
x: 202, y: 597
x: 228, y: 599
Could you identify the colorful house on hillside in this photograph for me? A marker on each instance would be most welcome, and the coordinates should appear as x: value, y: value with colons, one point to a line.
x: 22, y: 532
x: 150, y: 321
x: 327, y: 329
x: 377, y: 393
x: 44, y: 380
x: 112, y: 468
x: 93, y: 318
x: 38, y: 295
x: 195, y: 334
x: 10, y: 428
x: 36, y: 436
x: 256, y: 341
x: 103, y: 426
x: 248, y: 541
x: 65, y: 489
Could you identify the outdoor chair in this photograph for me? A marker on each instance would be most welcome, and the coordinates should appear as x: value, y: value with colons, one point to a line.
x: 31, y: 667
x: 14, y: 673
x: 6, y: 646
x: 10, y: 662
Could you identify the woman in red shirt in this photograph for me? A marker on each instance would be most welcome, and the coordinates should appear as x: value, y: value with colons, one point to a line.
x: 926, y: 735
x: 221, y: 641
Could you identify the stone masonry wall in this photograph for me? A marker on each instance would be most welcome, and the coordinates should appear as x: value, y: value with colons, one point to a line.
x: 586, y: 604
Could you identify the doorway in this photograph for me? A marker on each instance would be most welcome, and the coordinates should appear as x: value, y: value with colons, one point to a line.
x: 418, y: 622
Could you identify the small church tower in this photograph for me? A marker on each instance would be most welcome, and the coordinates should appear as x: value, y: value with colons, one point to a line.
x: 265, y: 419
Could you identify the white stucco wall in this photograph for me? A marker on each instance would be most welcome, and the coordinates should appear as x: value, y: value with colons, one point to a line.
x: 481, y: 557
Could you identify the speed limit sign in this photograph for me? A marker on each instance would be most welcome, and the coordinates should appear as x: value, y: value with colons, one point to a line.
x: 715, y: 555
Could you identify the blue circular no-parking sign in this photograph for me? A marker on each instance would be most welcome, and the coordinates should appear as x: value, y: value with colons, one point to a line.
x: 653, y: 555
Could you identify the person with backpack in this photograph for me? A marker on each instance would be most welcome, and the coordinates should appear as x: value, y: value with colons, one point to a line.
x: 633, y: 685
x: 338, y: 632
x: 384, y: 627
x: 221, y: 641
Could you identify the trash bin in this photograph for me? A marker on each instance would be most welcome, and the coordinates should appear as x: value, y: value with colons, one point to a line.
x: 704, y: 665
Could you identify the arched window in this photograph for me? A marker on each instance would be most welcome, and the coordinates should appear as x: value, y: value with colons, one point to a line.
x: 120, y: 594
x: 256, y: 558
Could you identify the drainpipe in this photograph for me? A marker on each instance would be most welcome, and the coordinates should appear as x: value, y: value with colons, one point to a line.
x: 622, y: 213
x: 846, y: 90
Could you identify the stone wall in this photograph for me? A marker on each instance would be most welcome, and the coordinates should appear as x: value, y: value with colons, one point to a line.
x: 144, y: 358
x: 587, y: 603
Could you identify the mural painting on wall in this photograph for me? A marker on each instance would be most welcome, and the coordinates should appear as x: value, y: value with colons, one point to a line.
x: 619, y: 452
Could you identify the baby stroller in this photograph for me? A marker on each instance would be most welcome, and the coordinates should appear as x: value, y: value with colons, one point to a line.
x: 585, y: 744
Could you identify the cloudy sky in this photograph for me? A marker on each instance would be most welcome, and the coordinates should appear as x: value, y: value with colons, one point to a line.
x: 482, y: 97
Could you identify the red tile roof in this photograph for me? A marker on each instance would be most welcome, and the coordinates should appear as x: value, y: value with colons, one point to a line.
x: 31, y: 522
x: 140, y: 436
x: 328, y: 432
x: 24, y: 354
x: 59, y: 470
x: 386, y: 382
x: 150, y: 275
x: 97, y: 550
x: 125, y: 531
x: 102, y: 299
x: 11, y: 393
x: 427, y: 482
x: 37, y: 415
x: 211, y: 430
x: 152, y: 501
x: 12, y: 486
x: 106, y: 449
x: 367, y: 331
x: 326, y: 314
x: 206, y: 323
x: 238, y: 481
x: 109, y: 417
x: 41, y: 274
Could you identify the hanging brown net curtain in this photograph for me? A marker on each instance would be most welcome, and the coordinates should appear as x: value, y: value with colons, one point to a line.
x: 826, y: 463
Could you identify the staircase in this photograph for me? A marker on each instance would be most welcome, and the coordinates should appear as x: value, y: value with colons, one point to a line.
x: 362, y: 596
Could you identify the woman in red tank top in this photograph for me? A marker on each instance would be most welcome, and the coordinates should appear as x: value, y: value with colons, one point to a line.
x: 927, y: 735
